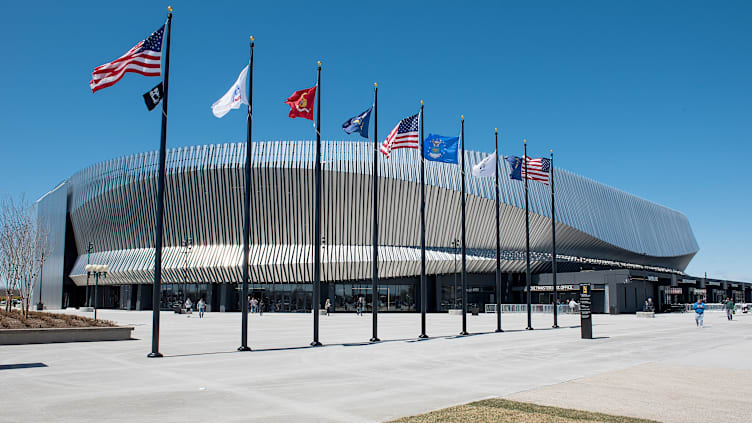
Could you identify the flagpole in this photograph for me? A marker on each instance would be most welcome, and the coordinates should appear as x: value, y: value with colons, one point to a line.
x: 527, y: 244
x: 464, y: 268
x: 317, y: 218
x: 375, y: 258
x: 157, y: 287
x: 423, y: 296
x: 553, y: 245
x: 498, y: 239
x: 247, y: 211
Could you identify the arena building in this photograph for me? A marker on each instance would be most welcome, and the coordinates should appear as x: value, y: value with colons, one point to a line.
x: 105, y: 214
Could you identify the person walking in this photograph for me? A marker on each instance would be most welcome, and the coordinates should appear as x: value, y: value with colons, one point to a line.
x: 730, y: 305
x: 327, y: 306
x: 201, y: 308
x: 699, y: 308
x: 572, y: 305
x: 360, y: 306
x: 188, y: 305
x: 260, y: 306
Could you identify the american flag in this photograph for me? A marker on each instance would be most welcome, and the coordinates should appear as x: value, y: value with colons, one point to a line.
x: 404, y: 135
x: 144, y: 58
x: 537, y: 169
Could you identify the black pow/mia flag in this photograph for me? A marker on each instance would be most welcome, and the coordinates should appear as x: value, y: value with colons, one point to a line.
x: 153, y: 96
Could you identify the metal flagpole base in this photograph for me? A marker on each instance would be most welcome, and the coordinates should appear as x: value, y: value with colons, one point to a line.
x: 555, y: 326
x: 464, y: 333
x: 529, y: 328
x: 244, y: 348
x: 316, y: 344
x: 498, y: 331
x: 423, y: 336
x: 155, y: 355
x: 374, y: 339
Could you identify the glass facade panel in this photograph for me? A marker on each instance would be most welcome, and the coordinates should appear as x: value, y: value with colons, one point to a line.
x: 451, y: 295
x: 295, y: 297
x: 391, y: 297
x: 281, y: 297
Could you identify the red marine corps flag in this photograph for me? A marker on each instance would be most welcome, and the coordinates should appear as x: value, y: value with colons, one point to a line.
x: 301, y: 103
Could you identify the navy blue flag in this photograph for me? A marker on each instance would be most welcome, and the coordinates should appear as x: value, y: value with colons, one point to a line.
x: 516, y: 164
x: 441, y: 149
x: 358, y: 123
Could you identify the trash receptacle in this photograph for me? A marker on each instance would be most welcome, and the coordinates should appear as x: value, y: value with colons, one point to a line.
x: 475, y: 311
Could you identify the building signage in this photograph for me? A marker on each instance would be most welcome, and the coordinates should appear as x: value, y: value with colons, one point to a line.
x: 546, y: 288
x: 688, y: 281
x: 653, y: 278
x: 699, y: 291
x: 673, y: 290
x: 586, y: 321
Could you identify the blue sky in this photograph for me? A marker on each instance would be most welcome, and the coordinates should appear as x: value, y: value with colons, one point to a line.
x: 654, y: 98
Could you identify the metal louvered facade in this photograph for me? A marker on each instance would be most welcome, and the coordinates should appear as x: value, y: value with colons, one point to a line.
x: 112, y: 204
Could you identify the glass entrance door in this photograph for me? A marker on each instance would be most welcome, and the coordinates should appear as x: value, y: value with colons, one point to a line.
x: 302, y: 300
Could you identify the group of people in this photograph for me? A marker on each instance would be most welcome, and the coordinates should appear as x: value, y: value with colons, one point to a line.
x: 201, y: 307
x: 328, y: 306
x: 256, y: 305
x: 571, y: 304
x: 649, y: 306
x: 699, y: 307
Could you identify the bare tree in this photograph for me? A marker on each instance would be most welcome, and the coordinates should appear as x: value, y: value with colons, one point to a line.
x: 8, y: 260
x: 23, y: 249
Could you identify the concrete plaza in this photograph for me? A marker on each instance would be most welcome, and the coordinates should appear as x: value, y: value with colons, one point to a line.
x: 662, y: 368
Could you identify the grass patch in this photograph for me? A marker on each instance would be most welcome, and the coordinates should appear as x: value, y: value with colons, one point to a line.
x: 38, y: 320
x: 499, y: 410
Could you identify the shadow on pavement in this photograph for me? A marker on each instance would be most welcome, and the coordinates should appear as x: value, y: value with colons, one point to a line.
x: 21, y: 366
x: 367, y: 343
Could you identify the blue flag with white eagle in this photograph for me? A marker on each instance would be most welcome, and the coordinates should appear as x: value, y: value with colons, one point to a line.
x: 441, y: 149
x: 358, y: 123
x: 516, y: 164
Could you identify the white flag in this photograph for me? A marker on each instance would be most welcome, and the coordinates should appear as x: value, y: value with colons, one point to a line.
x: 234, y: 97
x: 485, y: 168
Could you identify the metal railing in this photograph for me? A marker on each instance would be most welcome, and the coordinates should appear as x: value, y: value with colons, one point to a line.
x: 535, y: 308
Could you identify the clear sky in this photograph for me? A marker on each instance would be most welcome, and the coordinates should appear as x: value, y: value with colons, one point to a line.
x: 651, y: 97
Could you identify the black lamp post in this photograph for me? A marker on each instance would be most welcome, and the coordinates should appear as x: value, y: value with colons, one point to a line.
x: 187, y: 246
x: 40, y: 305
x: 455, y: 245
x: 96, y: 270
x: 89, y: 250
x: 325, y: 252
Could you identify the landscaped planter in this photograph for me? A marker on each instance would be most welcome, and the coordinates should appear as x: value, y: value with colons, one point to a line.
x: 47, y: 336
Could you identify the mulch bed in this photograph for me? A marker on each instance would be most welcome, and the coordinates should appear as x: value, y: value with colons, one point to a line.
x: 36, y: 320
x: 504, y: 411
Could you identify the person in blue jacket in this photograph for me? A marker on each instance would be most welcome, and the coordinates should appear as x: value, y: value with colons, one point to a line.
x: 699, y: 308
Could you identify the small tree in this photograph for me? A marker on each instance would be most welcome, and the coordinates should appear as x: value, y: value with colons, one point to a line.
x: 34, y: 247
x: 8, y: 273
x: 23, y: 249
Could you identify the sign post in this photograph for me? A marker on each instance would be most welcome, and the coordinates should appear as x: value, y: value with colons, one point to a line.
x: 586, y: 321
